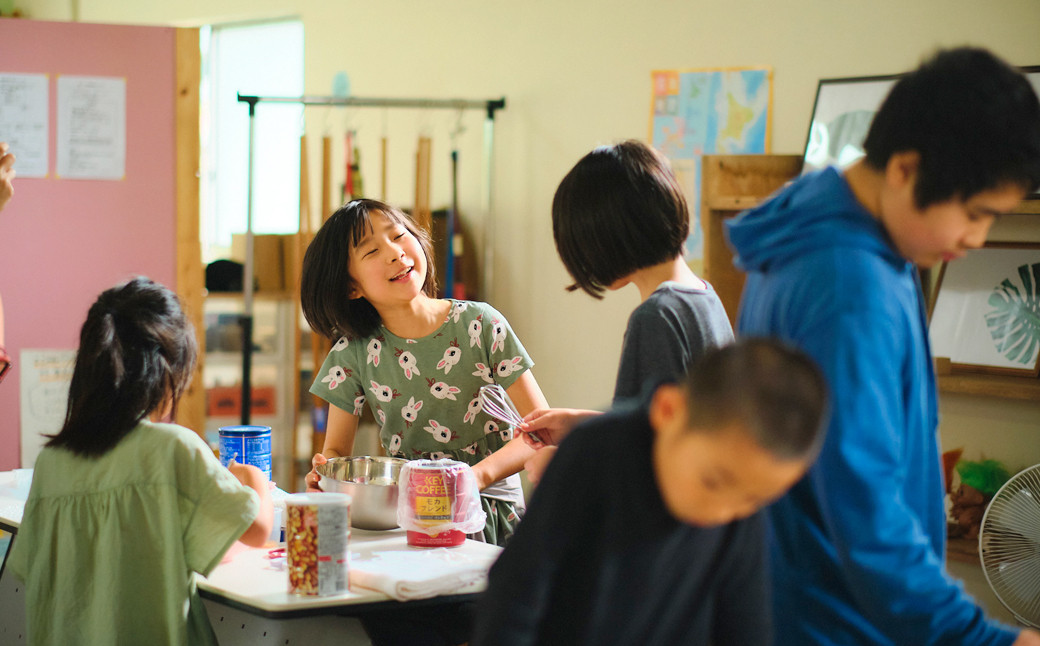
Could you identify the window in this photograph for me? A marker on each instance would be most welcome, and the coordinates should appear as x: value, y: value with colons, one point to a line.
x: 262, y: 59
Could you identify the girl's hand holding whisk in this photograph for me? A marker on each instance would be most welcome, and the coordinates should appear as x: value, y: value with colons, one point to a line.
x: 551, y: 425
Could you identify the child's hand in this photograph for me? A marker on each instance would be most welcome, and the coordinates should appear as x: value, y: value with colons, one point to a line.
x: 312, y: 477
x: 551, y: 424
x: 244, y: 472
x: 537, y: 463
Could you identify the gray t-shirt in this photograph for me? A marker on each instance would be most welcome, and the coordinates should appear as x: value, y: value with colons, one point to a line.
x: 667, y: 333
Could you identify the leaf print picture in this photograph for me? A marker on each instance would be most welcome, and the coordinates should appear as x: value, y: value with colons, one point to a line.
x: 986, y: 316
x: 1014, y: 321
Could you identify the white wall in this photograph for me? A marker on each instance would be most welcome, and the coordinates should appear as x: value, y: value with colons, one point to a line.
x: 576, y: 73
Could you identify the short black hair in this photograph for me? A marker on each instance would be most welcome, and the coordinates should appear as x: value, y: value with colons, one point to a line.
x: 137, y: 352
x: 773, y: 391
x: 618, y: 210
x: 974, y: 120
x: 325, y: 282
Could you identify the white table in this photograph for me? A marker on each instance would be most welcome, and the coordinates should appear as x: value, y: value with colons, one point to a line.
x: 248, y: 599
x: 249, y: 580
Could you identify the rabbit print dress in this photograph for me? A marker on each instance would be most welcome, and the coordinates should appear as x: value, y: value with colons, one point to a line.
x: 424, y: 394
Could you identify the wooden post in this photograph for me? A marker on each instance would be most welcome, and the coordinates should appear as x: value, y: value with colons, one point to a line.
x: 422, y: 214
x: 191, y: 282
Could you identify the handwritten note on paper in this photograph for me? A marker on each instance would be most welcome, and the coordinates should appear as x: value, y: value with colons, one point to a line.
x: 91, y: 127
x: 23, y: 121
x: 46, y: 375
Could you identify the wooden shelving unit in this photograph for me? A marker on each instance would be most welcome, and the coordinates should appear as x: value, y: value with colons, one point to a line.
x: 729, y: 185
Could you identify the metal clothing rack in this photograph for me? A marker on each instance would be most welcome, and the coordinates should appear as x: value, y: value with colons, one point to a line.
x: 490, y: 106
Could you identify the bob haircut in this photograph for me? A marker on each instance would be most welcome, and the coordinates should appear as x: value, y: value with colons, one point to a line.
x: 137, y: 353
x: 774, y: 392
x: 618, y: 210
x: 974, y: 120
x: 325, y: 281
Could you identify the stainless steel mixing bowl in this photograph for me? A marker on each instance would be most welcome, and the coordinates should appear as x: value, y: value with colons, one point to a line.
x: 372, y: 483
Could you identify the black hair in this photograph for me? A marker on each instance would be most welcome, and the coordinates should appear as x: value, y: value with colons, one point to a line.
x: 772, y: 391
x: 137, y: 352
x: 325, y: 282
x: 618, y: 210
x: 973, y: 119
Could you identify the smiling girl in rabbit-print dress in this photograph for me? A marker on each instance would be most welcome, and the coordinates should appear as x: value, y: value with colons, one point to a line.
x: 417, y: 361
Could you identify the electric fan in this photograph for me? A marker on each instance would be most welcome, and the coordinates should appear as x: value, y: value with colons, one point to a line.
x: 1009, y: 545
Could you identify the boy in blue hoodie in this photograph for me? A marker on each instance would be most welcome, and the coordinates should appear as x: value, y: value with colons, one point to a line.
x: 858, y: 545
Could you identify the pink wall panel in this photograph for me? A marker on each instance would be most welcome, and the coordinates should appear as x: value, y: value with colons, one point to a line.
x: 64, y: 241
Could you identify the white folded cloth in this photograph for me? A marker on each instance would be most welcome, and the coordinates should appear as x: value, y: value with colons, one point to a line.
x: 419, y: 574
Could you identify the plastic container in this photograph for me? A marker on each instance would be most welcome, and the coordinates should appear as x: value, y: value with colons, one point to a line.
x: 317, y: 537
x: 246, y: 445
x: 439, y: 503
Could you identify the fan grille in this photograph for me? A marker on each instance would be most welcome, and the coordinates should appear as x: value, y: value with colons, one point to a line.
x: 1009, y: 545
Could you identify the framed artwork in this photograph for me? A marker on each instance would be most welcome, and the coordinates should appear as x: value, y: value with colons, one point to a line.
x: 841, y: 117
x: 843, y: 110
x: 986, y: 314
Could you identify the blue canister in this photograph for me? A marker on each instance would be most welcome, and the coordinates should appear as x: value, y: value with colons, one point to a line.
x: 246, y: 445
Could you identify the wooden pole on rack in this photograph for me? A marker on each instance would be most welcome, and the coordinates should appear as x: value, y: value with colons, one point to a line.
x: 320, y: 346
x: 423, y: 216
x: 382, y: 169
x: 300, y: 241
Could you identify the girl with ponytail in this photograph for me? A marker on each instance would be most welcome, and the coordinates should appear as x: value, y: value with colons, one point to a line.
x: 125, y: 506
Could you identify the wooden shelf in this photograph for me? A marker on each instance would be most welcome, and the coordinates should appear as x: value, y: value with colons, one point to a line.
x: 963, y: 550
x: 729, y: 185
x: 1030, y: 206
x: 991, y: 386
x: 988, y: 385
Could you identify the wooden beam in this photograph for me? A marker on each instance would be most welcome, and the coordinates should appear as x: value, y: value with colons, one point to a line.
x: 191, y: 284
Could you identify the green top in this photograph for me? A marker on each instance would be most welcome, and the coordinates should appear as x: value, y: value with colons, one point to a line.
x: 425, y: 392
x: 108, y: 547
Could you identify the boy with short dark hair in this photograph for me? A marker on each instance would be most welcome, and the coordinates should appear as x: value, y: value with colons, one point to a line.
x: 643, y: 529
x: 858, y: 545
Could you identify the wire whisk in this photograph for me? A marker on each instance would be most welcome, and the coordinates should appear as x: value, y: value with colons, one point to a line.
x: 495, y: 401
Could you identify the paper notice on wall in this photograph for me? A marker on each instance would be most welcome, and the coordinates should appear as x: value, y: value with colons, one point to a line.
x: 46, y: 375
x: 91, y: 127
x: 23, y: 121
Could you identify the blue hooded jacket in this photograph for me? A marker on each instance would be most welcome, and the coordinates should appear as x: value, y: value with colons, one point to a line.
x: 858, y: 545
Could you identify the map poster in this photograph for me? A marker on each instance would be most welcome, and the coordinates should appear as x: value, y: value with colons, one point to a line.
x: 700, y: 112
